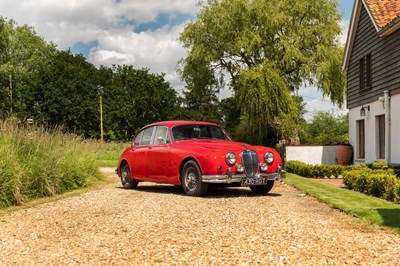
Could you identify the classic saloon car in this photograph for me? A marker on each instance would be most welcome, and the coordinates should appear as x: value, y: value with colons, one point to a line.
x: 196, y: 155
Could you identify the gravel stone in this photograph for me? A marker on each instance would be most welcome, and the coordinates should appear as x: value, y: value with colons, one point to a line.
x: 158, y: 225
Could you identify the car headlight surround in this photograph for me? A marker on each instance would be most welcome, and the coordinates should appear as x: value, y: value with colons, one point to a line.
x: 230, y: 158
x: 269, y: 157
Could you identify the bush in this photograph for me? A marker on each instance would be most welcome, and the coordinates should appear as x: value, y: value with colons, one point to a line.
x: 376, y: 180
x: 35, y: 162
x: 379, y: 165
x: 315, y: 171
x: 378, y: 183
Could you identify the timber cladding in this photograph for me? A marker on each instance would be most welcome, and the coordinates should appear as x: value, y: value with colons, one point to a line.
x: 384, y: 58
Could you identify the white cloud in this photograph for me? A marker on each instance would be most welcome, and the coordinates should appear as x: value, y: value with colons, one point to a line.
x: 112, y: 23
x: 71, y: 21
x: 344, y: 25
x: 315, y: 102
x: 157, y: 50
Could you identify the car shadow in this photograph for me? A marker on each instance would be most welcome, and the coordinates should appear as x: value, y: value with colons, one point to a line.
x: 228, y: 192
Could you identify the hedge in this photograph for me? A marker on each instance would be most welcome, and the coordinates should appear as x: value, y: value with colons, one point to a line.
x: 375, y: 179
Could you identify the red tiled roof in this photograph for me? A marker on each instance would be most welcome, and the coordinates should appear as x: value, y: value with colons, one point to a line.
x: 384, y: 11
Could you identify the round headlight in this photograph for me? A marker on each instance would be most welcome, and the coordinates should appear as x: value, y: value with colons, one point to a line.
x: 240, y: 168
x: 230, y: 158
x: 263, y: 167
x: 269, y: 157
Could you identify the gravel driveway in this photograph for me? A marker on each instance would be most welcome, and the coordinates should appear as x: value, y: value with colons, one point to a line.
x: 159, y: 225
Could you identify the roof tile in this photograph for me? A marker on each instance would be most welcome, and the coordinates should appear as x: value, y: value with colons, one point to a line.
x: 384, y: 11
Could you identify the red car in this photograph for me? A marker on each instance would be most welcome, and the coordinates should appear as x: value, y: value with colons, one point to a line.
x: 196, y: 155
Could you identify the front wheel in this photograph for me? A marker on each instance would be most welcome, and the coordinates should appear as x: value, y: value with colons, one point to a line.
x: 263, y: 189
x: 191, y: 180
x: 127, y: 181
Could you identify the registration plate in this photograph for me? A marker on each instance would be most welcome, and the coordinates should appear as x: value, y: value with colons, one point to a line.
x: 254, y: 181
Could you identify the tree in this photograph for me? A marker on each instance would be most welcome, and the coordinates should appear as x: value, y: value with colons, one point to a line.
x: 134, y: 98
x: 22, y: 52
x: 268, y: 48
x: 325, y: 128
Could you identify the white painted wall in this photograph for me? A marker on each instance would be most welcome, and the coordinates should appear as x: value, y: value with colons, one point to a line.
x: 371, y: 134
x: 395, y: 128
x: 312, y: 154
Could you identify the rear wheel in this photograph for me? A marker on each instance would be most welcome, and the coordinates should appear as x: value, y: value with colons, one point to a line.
x: 263, y: 189
x: 191, y: 180
x: 127, y: 181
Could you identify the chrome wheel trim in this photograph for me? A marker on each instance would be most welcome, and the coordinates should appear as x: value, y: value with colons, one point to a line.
x: 191, y: 180
x: 125, y: 175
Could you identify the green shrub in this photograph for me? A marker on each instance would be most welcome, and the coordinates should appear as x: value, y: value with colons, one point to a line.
x: 314, y: 171
x: 379, y: 183
x: 379, y: 165
x: 376, y: 180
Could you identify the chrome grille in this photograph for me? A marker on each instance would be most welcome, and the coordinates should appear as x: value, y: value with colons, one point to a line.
x: 250, y: 162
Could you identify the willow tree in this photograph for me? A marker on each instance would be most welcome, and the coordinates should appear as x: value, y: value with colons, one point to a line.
x: 267, y: 49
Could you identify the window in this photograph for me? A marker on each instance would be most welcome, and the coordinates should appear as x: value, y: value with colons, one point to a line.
x: 138, y: 138
x: 161, y: 136
x: 362, y: 73
x: 146, y: 138
x: 360, y: 139
x: 368, y: 79
x: 365, y: 74
x: 381, y: 136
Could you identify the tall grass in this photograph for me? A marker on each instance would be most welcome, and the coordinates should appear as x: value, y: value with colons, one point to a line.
x: 35, y: 162
x: 111, y: 152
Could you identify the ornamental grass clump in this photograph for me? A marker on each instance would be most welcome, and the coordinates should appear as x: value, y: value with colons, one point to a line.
x: 35, y: 162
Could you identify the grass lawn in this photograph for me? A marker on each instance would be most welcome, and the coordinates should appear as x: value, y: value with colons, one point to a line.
x: 377, y: 211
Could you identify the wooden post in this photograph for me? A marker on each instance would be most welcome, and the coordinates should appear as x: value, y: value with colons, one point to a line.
x: 11, y: 96
x: 101, y: 119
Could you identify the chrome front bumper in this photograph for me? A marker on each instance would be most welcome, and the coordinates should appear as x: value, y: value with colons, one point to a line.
x: 229, y: 178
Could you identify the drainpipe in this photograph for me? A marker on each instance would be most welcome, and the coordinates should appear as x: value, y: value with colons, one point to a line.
x: 388, y: 152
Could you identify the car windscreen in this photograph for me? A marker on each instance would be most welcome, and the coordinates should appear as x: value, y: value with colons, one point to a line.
x: 185, y: 132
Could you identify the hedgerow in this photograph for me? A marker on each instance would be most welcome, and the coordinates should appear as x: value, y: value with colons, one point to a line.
x: 375, y: 179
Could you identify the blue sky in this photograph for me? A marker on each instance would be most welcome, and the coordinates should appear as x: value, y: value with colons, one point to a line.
x: 136, y: 32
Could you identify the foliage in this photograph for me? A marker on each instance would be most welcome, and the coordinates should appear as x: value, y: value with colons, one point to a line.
x: 375, y: 210
x: 317, y: 171
x: 378, y: 183
x: 36, y: 163
x: 134, y: 98
x: 326, y: 128
x: 377, y: 180
x: 58, y: 88
x: 110, y: 153
x: 379, y: 165
x: 267, y: 49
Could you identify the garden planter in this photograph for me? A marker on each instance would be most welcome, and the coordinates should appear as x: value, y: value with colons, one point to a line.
x: 344, y: 154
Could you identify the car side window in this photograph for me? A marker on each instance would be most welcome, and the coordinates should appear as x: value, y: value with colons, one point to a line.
x: 160, y: 136
x: 138, y: 138
x: 147, y: 133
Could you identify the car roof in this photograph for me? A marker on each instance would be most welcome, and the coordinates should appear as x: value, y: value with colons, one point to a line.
x: 181, y: 122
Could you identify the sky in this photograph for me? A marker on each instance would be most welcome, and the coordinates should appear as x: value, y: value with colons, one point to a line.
x: 133, y: 32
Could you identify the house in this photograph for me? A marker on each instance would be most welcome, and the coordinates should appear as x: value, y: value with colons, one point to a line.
x: 372, y: 61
